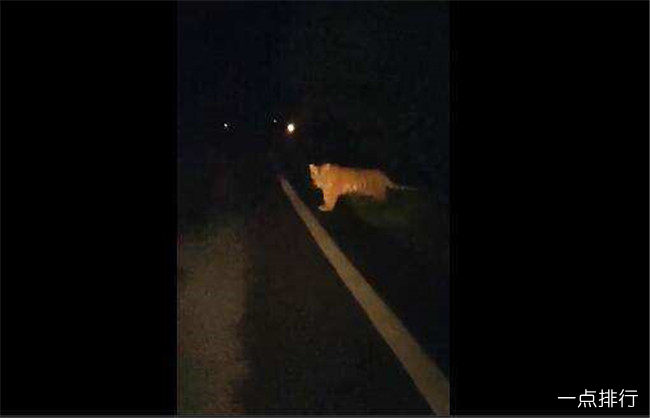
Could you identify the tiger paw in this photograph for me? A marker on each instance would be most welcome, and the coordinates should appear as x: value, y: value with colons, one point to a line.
x: 323, y: 208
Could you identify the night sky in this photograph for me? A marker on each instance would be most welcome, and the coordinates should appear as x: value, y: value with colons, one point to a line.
x: 367, y: 80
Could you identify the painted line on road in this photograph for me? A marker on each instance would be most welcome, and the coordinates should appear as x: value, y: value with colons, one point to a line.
x: 426, y: 374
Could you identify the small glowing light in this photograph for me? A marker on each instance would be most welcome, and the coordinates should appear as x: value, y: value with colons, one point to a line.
x: 225, y: 125
x: 275, y: 121
x: 291, y: 127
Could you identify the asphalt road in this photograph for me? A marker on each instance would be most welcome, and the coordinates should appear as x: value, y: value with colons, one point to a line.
x: 414, y: 285
x: 265, y: 324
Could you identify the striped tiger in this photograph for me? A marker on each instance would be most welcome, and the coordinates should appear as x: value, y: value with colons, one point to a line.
x: 336, y: 181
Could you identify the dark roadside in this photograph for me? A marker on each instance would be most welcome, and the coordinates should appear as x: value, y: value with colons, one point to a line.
x: 415, y: 284
x: 300, y: 343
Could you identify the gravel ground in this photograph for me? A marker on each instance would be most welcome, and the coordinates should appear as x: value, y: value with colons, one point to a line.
x: 211, y: 305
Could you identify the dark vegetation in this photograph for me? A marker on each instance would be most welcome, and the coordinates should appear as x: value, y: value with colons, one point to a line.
x: 370, y: 91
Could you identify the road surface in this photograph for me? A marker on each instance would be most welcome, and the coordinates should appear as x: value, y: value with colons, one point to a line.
x: 265, y: 324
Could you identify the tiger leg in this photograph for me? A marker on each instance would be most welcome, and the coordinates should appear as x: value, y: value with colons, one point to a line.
x: 381, y: 195
x: 330, y: 197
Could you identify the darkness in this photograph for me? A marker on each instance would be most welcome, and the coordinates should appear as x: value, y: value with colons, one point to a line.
x: 367, y: 84
x: 549, y: 210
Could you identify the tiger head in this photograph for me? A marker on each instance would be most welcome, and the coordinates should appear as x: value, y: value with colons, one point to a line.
x: 317, y: 174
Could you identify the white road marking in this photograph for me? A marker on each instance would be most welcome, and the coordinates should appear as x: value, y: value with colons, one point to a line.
x: 430, y: 381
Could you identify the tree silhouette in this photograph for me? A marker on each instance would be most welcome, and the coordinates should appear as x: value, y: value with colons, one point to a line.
x: 370, y: 81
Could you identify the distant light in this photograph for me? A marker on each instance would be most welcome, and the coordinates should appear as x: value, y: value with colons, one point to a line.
x: 275, y: 121
x: 225, y: 125
x: 291, y: 127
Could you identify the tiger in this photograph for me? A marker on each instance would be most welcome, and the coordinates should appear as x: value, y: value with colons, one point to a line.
x: 336, y: 181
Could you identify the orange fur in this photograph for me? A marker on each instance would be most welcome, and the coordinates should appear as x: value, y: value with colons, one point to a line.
x: 336, y: 181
